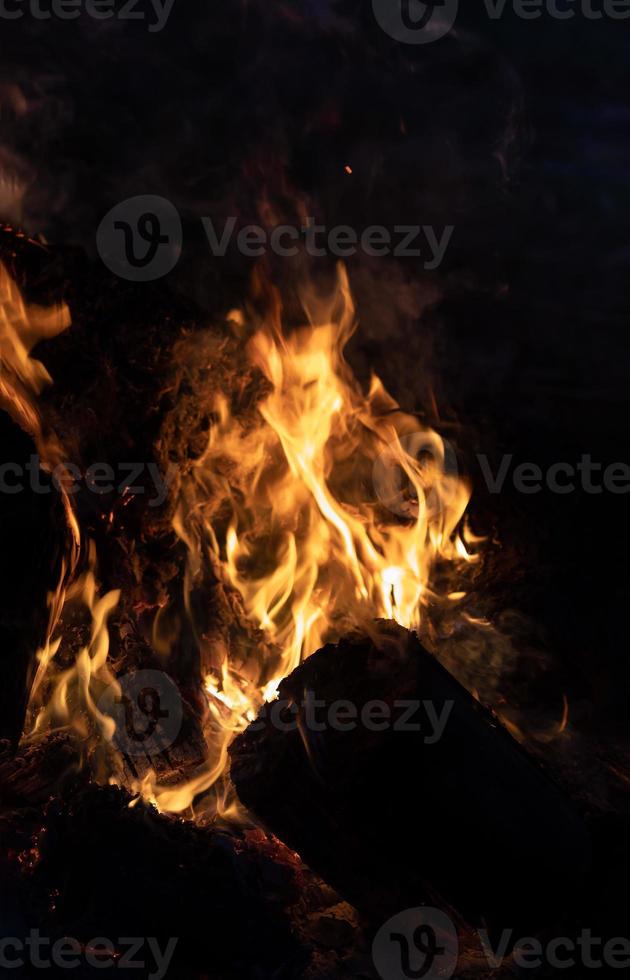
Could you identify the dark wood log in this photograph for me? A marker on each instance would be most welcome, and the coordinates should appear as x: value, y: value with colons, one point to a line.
x: 96, y: 867
x: 392, y: 818
x: 240, y: 904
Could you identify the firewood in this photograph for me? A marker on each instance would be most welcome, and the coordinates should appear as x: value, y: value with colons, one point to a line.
x: 393, y: 818
x: 92, y: 862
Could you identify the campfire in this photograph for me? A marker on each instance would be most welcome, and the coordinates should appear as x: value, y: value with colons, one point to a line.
x: 277, y: 699
x: 316, y: 533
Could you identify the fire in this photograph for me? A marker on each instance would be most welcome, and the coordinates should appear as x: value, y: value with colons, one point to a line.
x: 322, y: 509
x: 311, y: 544
x: 302, y: 510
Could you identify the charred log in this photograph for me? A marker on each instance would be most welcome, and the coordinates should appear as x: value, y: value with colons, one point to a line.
x: 394, y: 813
x: 87, y: 863
x: 95, y: 867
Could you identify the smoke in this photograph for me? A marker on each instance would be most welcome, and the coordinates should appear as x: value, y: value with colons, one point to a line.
x: 233, y: 99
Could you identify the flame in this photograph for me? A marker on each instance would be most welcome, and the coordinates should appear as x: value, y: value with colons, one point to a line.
x: 72, y: 701
x: 301, y: 507
x: 297, y: 487
x: 22, y: 326
x: 22, y: 379
x: 58, y: 698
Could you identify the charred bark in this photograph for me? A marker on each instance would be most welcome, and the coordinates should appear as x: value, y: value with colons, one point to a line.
x: 392, y: 816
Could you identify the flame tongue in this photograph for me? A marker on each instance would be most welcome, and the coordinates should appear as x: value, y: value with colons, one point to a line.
x: 21, y: 328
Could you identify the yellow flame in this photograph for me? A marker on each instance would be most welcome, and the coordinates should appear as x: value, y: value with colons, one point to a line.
x: 22, y: 326
x: 74, y: 691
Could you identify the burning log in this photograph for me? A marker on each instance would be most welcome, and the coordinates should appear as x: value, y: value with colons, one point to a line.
x: 399, y: 788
